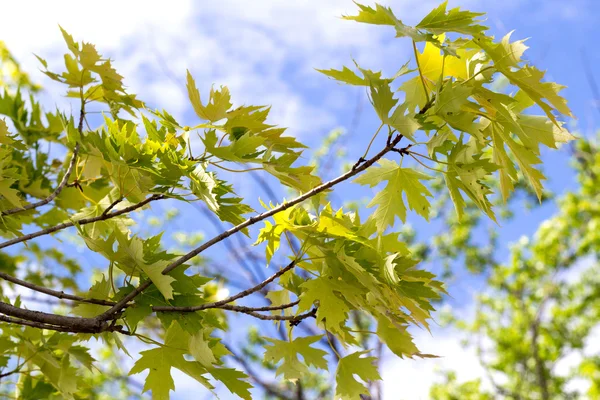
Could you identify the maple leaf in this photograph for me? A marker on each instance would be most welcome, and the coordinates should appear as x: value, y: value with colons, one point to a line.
x: 395, y: 336
x: 200, y: 349
x: 160, y: 360
x: 135, y: 250
x: 347, y: 387
x: 235, y: 381
x: 203, y: 185
x: 528, y: 78
x: 466, y: 171
x: 389, y: 201
x: 100, y: 291
x: 292, y: 368
x: 454, y: 20
x: 330, y: 306
x: 346, y: 75
x: 217, y: 106
x: 384, y: 16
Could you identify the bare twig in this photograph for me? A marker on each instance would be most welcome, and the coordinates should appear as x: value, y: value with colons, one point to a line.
x: 112, y: 205
x: 54, y: 293
x: 230, y: 299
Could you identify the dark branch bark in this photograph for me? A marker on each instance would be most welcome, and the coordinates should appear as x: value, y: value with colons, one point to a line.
x: 70, y: 324
x: 54, y: 293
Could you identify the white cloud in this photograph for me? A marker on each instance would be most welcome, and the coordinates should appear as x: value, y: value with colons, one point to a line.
x: 412, y: 379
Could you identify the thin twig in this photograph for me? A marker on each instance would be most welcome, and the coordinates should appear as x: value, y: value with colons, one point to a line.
x: 230, y: 299
x: 54, y: 293
x: 112, y: 205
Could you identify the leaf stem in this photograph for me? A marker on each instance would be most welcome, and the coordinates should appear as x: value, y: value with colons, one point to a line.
x: 236, y: 170
x: 372, y: 140
x: 420, y: 71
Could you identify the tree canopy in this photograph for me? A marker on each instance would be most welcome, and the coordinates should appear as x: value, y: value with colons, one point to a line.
x: 442, y: 122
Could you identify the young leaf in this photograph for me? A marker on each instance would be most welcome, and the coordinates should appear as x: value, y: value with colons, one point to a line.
x: 347, y: 387
x: 389, y: 201
x: 292, y: 368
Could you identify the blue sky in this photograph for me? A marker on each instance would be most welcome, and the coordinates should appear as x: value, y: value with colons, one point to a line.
x: 266, y: 52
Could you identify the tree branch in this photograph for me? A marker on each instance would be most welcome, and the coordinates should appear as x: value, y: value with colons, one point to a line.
x: 242, y: 309
x: 53, y: 321
x: 251, y: 221
x: 38, y: 325
x: 230, y: 299
x: 54, y: 293
x: 83, y: 221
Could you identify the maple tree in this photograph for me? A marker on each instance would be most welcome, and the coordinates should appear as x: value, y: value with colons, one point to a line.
x: 450, y: 122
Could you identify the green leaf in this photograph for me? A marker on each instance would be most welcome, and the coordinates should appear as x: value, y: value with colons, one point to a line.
x: 135, y: 250
x: 99, y: 291
x: 395, y: 336
x: 389, y: 201
x: 203, y: 185
x: 278, y: 298
x: 384, y: 16
x: 331, y: 308
x: 528, y: 78
x: 467, y: 171
x: 347, y: 386
x: 200, y: 350
x: 292, y: 368
x: 402, y: 122
x: 383, y: 100
x: 10, y: 194
x: 346, y: 75
x: 217, y: 106
x: 439, y: 21
x: 235, y: 381
x: 160, y: 360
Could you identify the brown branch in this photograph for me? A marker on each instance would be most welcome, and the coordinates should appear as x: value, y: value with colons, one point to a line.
x: 83, y: 221
x: 53, y: 321
x: 230, y: 299
x: 38, y: 325
x: 53, y: 195
x: 54, y: 293
x: 242, y: 309
x: 251, y: 221
x: 294, y: 319
x: 112, y: 205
